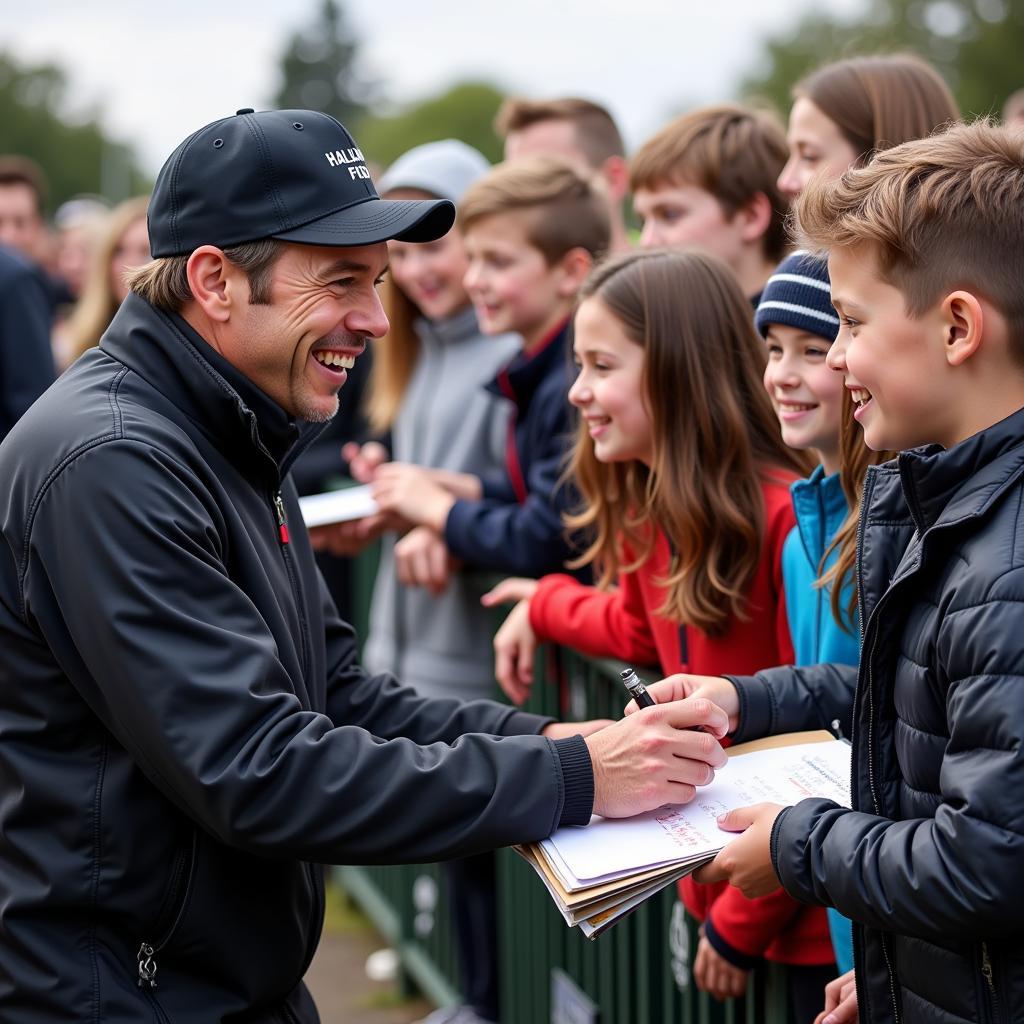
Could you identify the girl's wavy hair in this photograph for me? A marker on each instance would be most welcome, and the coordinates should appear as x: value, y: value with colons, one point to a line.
x: 715, y: 437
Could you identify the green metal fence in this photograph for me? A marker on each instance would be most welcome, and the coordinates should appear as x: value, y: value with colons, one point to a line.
x: 636, y: 973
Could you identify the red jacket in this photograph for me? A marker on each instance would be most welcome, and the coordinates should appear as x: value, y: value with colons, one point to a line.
x: 624, y: 624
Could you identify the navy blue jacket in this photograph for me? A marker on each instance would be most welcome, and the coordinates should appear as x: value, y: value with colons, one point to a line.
x: 517, y: 527
x: 928, y: 862
x: 26, y: 361
x: 185, y: 731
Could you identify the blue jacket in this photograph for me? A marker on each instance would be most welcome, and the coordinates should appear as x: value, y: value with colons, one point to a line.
x: 516, y: 527
x: 821, y: 508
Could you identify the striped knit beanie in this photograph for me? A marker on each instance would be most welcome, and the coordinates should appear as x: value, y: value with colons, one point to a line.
x: 797, y: 295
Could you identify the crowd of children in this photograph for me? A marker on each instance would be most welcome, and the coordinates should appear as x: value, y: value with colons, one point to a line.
x: 772, y: 445
x: 676, y: 525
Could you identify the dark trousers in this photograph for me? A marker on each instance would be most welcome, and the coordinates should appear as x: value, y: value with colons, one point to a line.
x: 806, y: 989
x: 472, y: 896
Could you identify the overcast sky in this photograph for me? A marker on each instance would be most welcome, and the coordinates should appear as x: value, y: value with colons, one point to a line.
x: 161, y: 70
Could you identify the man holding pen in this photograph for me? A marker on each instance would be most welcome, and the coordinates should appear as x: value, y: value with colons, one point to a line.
x: 185, y: 732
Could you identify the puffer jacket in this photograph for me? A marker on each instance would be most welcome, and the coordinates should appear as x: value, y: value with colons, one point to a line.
x: 928, y: 864
x: 185, y: 732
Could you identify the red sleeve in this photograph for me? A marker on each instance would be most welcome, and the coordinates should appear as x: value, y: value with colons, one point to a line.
x: 781, y: 520
x: 601, y: 623
x: 752, y: 925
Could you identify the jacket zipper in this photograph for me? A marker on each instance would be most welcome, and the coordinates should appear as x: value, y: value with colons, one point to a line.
x: 861, y: 529
x: 989, y: 975
x: 147, y: 966
x: 285, y: 541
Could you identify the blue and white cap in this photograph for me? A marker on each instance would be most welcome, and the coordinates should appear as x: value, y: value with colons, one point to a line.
x: 798, y: 295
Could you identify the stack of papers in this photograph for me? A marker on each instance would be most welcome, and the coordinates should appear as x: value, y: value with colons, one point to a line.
x: 599, y: 873
x: 337, y: 506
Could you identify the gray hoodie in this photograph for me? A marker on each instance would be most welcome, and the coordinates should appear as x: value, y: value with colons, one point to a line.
x: 448, y: 420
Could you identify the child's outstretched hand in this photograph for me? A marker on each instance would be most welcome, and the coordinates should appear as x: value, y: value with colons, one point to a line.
x: 514, y: 646
x: 412, y: 493
x: 840, y: 1001
x: 747, y: 861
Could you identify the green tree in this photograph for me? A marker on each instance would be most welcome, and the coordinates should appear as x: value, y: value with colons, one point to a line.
x: 975, y: 44
x: 319, y: 68
x: 77, y: 156
x: 465, y: 111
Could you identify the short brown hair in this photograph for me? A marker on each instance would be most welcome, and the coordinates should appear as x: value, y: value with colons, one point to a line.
x: 880, y: 100
x: 20, y: 170
x: 940, y: 213
x: 164, y: 282
x: 595, y: 131
x: 562, y: 209
x: 731, y: 151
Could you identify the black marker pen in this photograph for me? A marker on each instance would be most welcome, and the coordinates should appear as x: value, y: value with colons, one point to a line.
x: 637, y: 690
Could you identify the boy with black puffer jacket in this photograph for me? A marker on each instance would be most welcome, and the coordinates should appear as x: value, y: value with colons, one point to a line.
x: 926, y: 258
x: 532, y: 230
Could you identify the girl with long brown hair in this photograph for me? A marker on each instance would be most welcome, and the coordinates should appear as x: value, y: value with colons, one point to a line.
x: 685, y: 483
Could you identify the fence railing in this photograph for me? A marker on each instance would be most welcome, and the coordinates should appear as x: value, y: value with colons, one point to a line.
x: 637, y: 973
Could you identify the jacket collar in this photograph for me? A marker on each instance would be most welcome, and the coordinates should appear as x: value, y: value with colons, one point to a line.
x: 945, y: 486
x: 820, y: 505
x: 460, y: 326
x: 521, y: 378
x: 238, y: 418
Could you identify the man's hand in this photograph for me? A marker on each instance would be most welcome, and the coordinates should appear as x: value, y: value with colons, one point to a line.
x: 713, y: 974
x: 422, y: 560
x: 363, y: 460
x: 656, y: 757
x: 746, y: 862
x: 716, y: 689
x: 411, y: 492
x: 515, y: 644
x: 840, y: 1001
x: 563, y: 730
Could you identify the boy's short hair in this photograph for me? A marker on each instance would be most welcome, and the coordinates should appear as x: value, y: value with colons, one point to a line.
x: 594, y: 129
x: 731, y: 151
x: 941, y: 213
x: 562, y: 209
x: 22, y: 170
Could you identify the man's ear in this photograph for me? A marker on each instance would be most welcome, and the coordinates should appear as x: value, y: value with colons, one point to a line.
x: 615, y: 172
x: 755, y: 216
x: 963, y: 321
x: 575, y: 266
x: 216, y: 283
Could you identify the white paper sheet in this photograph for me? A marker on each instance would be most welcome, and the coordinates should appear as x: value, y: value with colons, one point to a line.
x: 337, y: 506
x: 610, y: 848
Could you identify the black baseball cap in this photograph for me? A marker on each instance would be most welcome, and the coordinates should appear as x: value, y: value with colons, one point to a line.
x: 296, y: 175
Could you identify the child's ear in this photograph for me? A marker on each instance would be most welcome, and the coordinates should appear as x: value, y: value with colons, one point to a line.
x: 615, y: 172
x: 575, y: 266
x: 755, y: 217
x: 963, y: 321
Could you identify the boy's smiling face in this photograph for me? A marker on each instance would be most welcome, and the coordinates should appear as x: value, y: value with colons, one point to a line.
x: 893, y: 364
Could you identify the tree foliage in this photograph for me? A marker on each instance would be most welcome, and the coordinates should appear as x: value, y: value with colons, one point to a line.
x: 465, y: 111
x: 319, y: 68
x: 77, y: 156
x: 975, y: 44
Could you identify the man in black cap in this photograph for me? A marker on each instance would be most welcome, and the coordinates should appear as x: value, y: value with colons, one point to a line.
x: 185, y: 732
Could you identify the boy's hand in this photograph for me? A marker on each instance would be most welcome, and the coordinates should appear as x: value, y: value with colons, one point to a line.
x: 840, y: 1001
x: 656, y: 757
x: 515, y: 644
x: 746, y: 862
x: 713, y: 974
x: 352, y: 537
x: 422, y: 560
x: 412, y: 493
x: 716, y: 689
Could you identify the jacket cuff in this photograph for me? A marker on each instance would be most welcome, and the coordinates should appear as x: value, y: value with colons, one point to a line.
x: 757, y: 708
x: 454, y: 526
x: 577, y: 780
x: 744, y: 961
